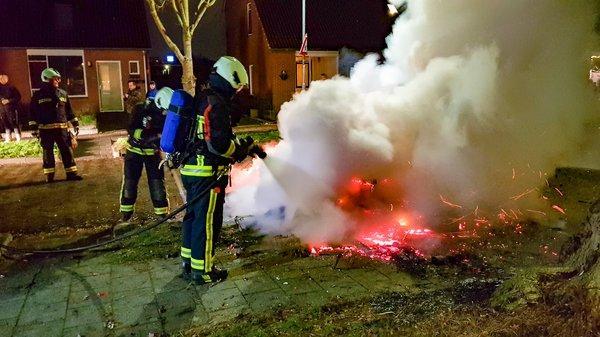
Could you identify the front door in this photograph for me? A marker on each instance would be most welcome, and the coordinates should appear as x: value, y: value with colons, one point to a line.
x: 110, y: 85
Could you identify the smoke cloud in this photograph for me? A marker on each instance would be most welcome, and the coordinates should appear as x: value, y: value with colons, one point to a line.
x: 476, y: 102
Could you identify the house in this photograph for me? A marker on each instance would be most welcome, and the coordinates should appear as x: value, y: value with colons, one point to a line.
x: 97, y: 46
x: 265, y: 35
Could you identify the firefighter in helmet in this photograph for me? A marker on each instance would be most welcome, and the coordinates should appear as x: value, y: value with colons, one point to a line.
x: 218, y: 150
x: 143, y: 150
x: 50, y: 116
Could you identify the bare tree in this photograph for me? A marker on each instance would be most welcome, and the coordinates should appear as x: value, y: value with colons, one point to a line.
x: 188, y: 13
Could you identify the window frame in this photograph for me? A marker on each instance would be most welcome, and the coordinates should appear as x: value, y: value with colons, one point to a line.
x: 58, y: 52
x: 249, y: 18
x: 251, y: 79
x: 138, y: 67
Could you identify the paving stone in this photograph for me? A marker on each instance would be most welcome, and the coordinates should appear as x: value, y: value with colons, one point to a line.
x: 89, y: 315
x: 218, y: 300
x: 255, y: 284
x: 129, y: 270
x: 53, y: 328
x: 94, y: 266
x: 47, y: 295
x: 90, y: 330
x: 175, y: 323
x: 399, y: 278
x: 12, y: 294
x: 313, y: 299
x: 19, y: 280
x: 373, y: 280
x: 284, y: 272
x: 173, y: 283
x: 92, y: 284
x: 6, y: 326
x: 200, y: 316
x: 299, y: 285
x: 347, y: 290
x: 267, y: 300
x: 141, y: 330
x: 219, y: 286
x: 132, y: 282
x: 11, y: 308
x: 134, y: 297
x: 181, y: 300
x: 37, y: 313
x: 229, y: 314
x: 131, y: 316
x: 84, y: 298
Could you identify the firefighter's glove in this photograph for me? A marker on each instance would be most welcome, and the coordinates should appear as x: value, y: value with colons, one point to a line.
x: 242, y: 149
x: 75, y: 124
x: 34, y: 130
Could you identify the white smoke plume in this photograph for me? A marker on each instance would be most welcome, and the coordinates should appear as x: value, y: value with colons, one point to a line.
x: 477, y: 101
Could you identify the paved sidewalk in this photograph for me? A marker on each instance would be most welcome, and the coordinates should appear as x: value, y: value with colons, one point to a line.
x: 95, y: 298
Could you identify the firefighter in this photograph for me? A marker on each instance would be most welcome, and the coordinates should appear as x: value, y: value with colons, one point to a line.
x: 143, y: 150
x: 50, y: 116
x: 219, y: 148
x: 9, y: 101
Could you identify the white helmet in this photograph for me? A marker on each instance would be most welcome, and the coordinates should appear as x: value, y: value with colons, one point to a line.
x: 232, y: 70
x: 163, y: 98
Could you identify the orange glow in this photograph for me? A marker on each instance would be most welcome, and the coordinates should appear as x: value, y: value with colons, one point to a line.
x: 559, y: 209
x: 449, y: 203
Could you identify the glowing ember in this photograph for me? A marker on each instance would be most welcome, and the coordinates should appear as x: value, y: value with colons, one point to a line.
x: 559, y: 209
x: 449, y: 203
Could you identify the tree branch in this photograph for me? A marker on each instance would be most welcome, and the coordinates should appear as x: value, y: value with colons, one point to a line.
x: 163, y: 31
x: 200, y: 10
x: 176, y: 10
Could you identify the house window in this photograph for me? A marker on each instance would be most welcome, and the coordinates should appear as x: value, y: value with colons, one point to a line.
x: 69, y: 63
x: 134, y: 67
x: 251, y: 79
x: 249, y: 18
x: 299, y: 70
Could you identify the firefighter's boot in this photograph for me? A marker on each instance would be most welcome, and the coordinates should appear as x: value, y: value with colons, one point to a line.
x: 50, y: 177
x: 215, y: 275
x: 186, y: 270
x: 126, y: 216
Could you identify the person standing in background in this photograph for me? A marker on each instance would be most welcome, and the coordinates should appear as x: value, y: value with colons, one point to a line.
x: 9, y: 101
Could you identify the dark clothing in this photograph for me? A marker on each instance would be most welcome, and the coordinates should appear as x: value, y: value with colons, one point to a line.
x: 134, y: 97
x: 204, y: 218
x: 8, y: 112
x: 134, y: 163
x: 202, y: 222
x: 143, y: 144
x: 51, y: 108
x: 151, y: 93
x: 48, y: 137
x: 50, y: 112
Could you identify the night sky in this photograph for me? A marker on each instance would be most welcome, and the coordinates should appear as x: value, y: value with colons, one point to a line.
x: 209, y: 38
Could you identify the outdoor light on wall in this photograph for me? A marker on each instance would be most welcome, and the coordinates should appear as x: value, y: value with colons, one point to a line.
x: 283, y: 75
x: 88, y: 63
x: 170, y: 58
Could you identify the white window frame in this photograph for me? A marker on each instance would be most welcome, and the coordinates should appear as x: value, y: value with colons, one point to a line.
x: 251, y: 78
x: 249, y: 18
x: 59, y: 52
x: 138, y: 67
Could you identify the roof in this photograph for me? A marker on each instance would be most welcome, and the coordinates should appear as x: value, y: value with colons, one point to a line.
x: 330, y: 24
x: 111, y: 24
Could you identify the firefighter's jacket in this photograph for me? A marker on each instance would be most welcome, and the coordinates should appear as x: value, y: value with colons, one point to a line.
x: 12, y: 95
x: 144, y: 130
x: 214, y: 133
x: 51, y: 109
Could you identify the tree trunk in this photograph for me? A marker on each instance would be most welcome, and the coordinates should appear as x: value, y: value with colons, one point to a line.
x: 188, y: 80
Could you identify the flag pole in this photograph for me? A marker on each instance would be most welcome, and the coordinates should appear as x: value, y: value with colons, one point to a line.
x: 302, y: 40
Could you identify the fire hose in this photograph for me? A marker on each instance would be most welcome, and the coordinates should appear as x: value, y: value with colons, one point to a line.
x: 152, y: 225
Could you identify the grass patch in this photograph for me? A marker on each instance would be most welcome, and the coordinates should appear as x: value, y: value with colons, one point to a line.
x: 158, y: 243
x: 87, y: 120
x: 24, y: 148
x: 261, y: 137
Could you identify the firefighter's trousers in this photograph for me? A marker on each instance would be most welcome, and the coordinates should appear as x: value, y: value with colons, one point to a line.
x: 132, y: 172
x: 60, y: 136
x: 202, y: 222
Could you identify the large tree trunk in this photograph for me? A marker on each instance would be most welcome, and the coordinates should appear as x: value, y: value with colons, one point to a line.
x: 188, y: 80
